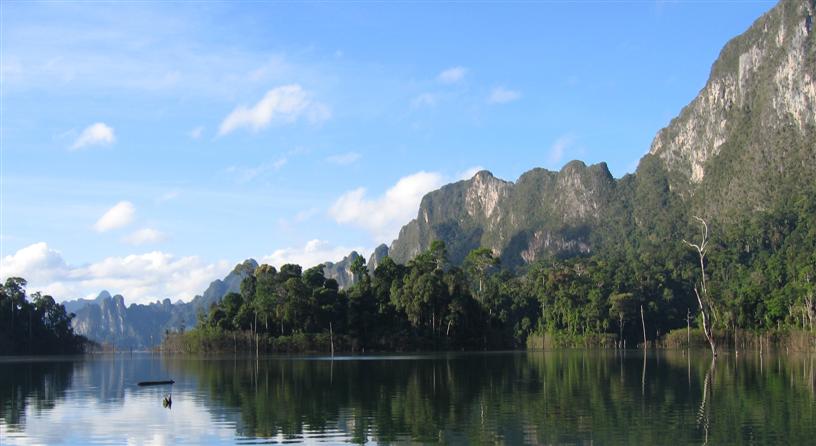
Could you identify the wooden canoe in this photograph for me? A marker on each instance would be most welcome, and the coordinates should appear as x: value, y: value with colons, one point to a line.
x: 156, y: 383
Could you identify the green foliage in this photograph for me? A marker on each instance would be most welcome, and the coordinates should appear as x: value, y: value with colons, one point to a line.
x: 37, y: 325
x: 761, y: 275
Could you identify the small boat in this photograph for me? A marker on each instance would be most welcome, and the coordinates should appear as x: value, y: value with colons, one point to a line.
x: 156, y: 383
x: 167, y: 401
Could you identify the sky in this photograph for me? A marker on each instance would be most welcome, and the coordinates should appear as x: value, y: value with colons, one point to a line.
x: 148, y: 147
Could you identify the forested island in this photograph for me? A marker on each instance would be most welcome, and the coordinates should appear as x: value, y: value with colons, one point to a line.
x: 760, y: 272
x: 34, y: 324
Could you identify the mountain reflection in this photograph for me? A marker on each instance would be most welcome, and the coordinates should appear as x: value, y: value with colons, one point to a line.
x: 572, y: 397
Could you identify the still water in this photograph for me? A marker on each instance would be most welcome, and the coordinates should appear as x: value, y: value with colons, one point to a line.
x: 561, y: 397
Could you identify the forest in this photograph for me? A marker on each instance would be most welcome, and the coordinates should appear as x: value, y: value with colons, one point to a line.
x: 34, y: 324
x: 761, y: 274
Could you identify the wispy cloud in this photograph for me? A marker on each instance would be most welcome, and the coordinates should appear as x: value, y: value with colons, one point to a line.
x: 121, y: 214
x: 197, y: 132
x: 247, y: 174
x: 424, y: 100
x: 167, y: 196
x: 144, y: 236
x: 452, y: 75
x: 502, y: 95
x: 95, y: 134
x: 344, y: 159
x: 297, y: 219
x: 285, y: 104
x: 560, y: 147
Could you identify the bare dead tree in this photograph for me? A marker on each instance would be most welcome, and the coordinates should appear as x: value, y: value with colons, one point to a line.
x: 703, y: 298
x: 704, y: 412
x: 809, y: 310
x: 643, y: 324
x: 688, y: 328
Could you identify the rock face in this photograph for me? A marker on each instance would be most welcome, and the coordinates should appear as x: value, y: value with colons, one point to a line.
x: 756, y: 113
x: 72, y: 306
x: 107, y: 320
x: 341, y: 271
x: 380, y: 252
x: 745, y: 142
x: 543, y: 213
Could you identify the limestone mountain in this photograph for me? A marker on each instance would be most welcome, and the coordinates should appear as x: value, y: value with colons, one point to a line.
x: 542, y: 213
x: 747, y: 141
x: 341, y: 271
x: 380, y: 252
x: 72, y: 306
x: 107, y: 320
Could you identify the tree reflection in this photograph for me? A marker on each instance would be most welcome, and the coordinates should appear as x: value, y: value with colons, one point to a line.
x: 556, y: 397
x: 34, y: 385
x: 505, y: 398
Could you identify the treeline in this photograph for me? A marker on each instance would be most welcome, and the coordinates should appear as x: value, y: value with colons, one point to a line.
x: 426, y: 304
x: 761, y: 275
x: 34, y: 324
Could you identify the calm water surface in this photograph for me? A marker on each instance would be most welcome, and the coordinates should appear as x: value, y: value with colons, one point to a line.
x: 563, y: 397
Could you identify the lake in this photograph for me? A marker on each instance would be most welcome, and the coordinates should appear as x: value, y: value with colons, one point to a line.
x: 558, y: 397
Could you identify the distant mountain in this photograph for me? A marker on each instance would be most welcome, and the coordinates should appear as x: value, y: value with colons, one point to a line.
x: 380, y: 252
x: 72, y: 306
x: 107, y: 320
x: 341, y: 271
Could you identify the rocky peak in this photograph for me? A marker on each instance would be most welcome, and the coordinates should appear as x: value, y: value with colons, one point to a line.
x: 484, y: 194
x: 763, y: 79
x: 581, y: 190
x: 543, y: 213
x: 341, y: 271
x: 380, y: 252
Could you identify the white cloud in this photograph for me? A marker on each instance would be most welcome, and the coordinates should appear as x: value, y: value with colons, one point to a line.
x: 344, y: 159
x: 141, y: 278
x: 121, y: 214
x: 95, y: 134
x: 197, y: 132
x: 284, y: 104
x: 144, y: 236
x: 557, y: 149
x: 36, y: 263
x: 71, y: 420
x: 384, y: 216
x: 501, y: 95
x: 452, y: 75
x: 313, y: 253
x: 469, y: 172
x: 424, y: 100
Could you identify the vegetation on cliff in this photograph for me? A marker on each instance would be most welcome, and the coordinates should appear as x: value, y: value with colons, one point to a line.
x: 761, y: 276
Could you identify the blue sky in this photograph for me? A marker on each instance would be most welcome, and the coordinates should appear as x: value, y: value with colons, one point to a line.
x: 148, y: 147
